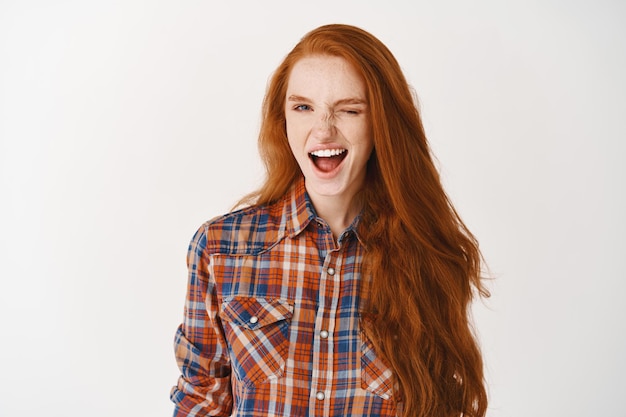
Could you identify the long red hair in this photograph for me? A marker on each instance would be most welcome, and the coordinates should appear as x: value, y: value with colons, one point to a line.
x: 423, y: 262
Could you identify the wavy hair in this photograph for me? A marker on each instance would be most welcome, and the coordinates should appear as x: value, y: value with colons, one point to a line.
x: 424, y: 264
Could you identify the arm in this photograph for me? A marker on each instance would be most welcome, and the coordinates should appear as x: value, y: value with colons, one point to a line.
x: 201, y: 351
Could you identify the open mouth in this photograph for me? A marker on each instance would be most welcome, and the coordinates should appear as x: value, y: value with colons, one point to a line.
x: 326, y: 160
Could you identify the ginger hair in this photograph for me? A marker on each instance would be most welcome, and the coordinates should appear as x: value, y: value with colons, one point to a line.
x: 424, y: 264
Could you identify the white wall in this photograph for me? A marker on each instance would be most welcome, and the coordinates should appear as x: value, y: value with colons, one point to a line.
x: 125, y: 124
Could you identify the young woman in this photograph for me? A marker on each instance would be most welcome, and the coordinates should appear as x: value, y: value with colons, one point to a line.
x: 343, y: 288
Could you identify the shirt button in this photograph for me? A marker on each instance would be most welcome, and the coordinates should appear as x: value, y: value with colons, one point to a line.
x: 254, y: 319
x: 320, y: 395
x: 331, y: 271
x: 323, y: 334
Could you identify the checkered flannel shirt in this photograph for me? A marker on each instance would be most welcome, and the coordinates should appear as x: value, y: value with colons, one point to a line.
x: 271, y: 320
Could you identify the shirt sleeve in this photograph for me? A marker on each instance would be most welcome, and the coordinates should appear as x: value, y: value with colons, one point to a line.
x: 203, y: 388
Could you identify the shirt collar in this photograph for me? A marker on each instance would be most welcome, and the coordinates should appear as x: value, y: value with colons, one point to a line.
x: 299, y: 211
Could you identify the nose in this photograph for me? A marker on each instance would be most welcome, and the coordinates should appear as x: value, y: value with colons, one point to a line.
x: 324, y: 127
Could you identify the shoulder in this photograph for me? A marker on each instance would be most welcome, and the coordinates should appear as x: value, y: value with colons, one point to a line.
x: 244, y: 232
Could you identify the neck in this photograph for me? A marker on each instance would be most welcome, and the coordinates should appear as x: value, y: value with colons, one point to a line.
x: 336, y: 211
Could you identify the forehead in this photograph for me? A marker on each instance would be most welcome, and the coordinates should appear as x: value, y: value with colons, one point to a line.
x: 317, y: 75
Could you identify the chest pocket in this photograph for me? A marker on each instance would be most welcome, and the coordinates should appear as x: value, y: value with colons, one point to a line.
x: 257, y: 331
x: 376, y: 376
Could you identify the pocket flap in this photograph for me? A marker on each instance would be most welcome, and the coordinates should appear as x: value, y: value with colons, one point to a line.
x: 254, y: 313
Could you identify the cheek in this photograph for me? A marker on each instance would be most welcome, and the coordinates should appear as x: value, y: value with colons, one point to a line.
x: 289, y: 127
x: 296, y: 134
x: 290, y: 133
x: 360, y: 135
x: 295, y: 144
x: 294, y: 148
x: 368, y: 139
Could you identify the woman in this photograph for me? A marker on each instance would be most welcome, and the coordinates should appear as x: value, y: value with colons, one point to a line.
x: 343, y: 288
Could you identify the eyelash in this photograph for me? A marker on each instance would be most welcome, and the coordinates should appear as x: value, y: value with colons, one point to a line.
x: 306, y: 107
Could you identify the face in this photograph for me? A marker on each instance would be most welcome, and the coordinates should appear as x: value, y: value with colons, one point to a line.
x: 328, y: 126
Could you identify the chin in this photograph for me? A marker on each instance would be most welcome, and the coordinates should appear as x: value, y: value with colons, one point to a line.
x: 328, y: 189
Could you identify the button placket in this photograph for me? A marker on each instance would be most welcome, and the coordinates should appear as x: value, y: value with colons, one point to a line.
x: 325, y: 323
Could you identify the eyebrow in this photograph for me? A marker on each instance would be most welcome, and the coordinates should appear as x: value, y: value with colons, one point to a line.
x: 350, y: 100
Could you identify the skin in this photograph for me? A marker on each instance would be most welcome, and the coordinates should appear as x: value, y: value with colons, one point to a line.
x: 326, y: 112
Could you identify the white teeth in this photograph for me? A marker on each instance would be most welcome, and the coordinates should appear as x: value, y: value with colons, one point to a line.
x: 327, y: 153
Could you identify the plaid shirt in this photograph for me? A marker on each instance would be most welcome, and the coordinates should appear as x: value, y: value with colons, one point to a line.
x: 271, y: 324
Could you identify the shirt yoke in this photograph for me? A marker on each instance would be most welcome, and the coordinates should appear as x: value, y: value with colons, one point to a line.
x: 249, y: 231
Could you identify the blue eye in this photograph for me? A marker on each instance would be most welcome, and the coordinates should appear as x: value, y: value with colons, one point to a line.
x: 302, y: 107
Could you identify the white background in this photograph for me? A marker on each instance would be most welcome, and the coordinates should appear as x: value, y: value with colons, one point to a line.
x: 125, y: 124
